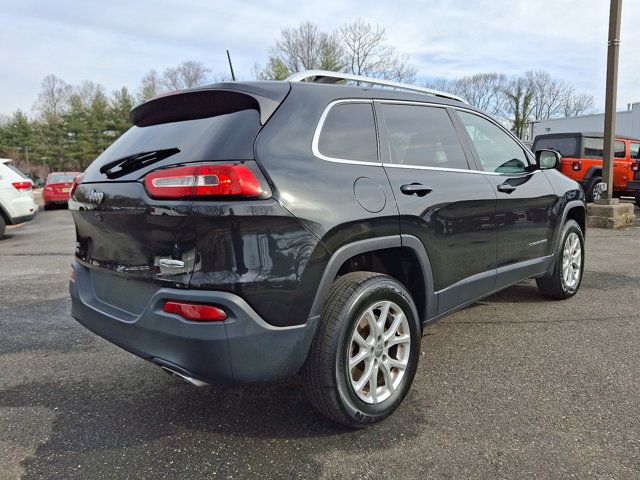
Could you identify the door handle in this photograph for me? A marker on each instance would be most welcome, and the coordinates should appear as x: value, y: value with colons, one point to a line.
x: 415, y: 189
x: 506, y: 188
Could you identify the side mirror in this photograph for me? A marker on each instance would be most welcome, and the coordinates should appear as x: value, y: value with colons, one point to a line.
x: 548, y: 159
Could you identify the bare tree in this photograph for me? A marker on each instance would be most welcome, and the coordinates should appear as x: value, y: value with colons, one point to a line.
x: 186, y: 75
x: 519, y: 94
x: 151, y: 86
x: 549, y: 95
x: 443, y: 84
x: 53, y: 98
x: 577, y: 104
x: 484, y: 91
x: 366, y: 52
x: 88, y: 91
x: 305, y: 47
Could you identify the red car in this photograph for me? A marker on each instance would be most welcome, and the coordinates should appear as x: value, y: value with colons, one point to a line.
x: 57, y: 190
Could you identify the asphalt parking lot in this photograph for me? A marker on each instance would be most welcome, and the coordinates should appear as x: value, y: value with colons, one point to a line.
x: 513, y: 387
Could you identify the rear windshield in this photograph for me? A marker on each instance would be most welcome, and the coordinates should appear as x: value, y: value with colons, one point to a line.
x: 60, y: 178
x: 223, y: 137
x: 566, y: 146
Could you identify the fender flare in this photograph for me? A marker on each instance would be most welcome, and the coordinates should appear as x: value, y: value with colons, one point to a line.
x: 570, y: 205
x: 369, y: 245
x: 590, y: 173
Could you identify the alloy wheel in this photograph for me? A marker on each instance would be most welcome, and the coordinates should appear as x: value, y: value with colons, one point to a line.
x: 378, y: 353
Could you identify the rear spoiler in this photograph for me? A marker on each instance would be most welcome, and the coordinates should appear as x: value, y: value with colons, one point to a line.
x: 210, y: 101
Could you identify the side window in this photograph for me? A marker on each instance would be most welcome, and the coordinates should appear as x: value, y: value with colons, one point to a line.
x: 498, y: 152
x: 635, y: 151
x: 349, y: 133
x: 422, y: 136
x: 594, y: 147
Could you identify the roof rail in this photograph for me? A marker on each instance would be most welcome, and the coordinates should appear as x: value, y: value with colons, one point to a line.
x: 325, y: 76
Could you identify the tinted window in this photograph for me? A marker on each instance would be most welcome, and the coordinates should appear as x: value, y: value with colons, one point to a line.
x: 224, y: 137
x: 566, y: 146
x: 635, y: 151
x: 594, y: 147
x: 498, y: 152
x: 422, y: 136
x: 350, y: 133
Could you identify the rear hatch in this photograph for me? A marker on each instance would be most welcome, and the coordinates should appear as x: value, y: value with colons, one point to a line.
x: 126, y: 230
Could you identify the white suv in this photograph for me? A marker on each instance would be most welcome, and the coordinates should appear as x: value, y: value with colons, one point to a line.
x: 16, y: 196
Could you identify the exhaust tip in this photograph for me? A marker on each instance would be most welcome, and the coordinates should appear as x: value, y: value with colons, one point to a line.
x: 193, y: 381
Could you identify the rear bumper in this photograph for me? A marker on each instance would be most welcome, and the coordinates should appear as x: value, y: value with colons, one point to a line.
x: 55, y: 198
x: 241, y: 349
x: 24, y: 218
x: 21, y: 209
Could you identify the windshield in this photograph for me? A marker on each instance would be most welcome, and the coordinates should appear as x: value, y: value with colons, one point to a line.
x: 61, y: 178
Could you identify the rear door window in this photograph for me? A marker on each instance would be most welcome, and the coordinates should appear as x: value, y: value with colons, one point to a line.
x: 497, y: 151
x: 349, y: 133
x: 594, y: 147
x: 422, y: 136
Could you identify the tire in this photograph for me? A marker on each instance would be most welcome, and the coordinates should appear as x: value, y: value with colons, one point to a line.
x: 47, y: 206
x: 638, y: 198
x: 555, y: 285
x: 329, y: 384
x: 590, y: 194
x: 3, y: 226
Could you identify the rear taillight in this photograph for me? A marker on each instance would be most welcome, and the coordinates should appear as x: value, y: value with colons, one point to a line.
x: 195, y: 311
x: 22, y: 185
x: 576, y: 166
x: 635, y: 166
x: 204, y: 181
x: 76, y: 181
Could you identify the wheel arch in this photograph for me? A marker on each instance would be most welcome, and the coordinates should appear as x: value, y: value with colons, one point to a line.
x: 409, y: 249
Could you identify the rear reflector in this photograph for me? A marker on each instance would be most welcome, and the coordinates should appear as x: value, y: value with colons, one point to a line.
x: 204, y: 180
x: 196, y: 312
x: 22, y: 185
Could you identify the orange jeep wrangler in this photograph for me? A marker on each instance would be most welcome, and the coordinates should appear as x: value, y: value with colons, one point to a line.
x: 582, y: 161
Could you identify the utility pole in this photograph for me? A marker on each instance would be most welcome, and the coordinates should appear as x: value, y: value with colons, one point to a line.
x: 613, y: 53
x: 26, y: 149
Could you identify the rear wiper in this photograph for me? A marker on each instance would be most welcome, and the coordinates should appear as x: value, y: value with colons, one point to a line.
x: 131, y: 163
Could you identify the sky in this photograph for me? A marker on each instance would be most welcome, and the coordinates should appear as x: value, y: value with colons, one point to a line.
x: 115, y: 43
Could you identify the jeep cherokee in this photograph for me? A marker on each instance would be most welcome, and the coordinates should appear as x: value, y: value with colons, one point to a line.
x: 247, y: 231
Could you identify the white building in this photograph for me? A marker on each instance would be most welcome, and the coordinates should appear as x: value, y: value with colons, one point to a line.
x: 627, y: 123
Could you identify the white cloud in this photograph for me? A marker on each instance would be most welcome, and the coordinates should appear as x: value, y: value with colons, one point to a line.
x: 116, y: 42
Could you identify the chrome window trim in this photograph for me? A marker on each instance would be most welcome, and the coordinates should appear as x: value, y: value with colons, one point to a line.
x: 323, y: 117
x: 318, y: 131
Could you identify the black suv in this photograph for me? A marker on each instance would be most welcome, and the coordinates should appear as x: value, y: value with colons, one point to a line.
x: 244, y: 232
